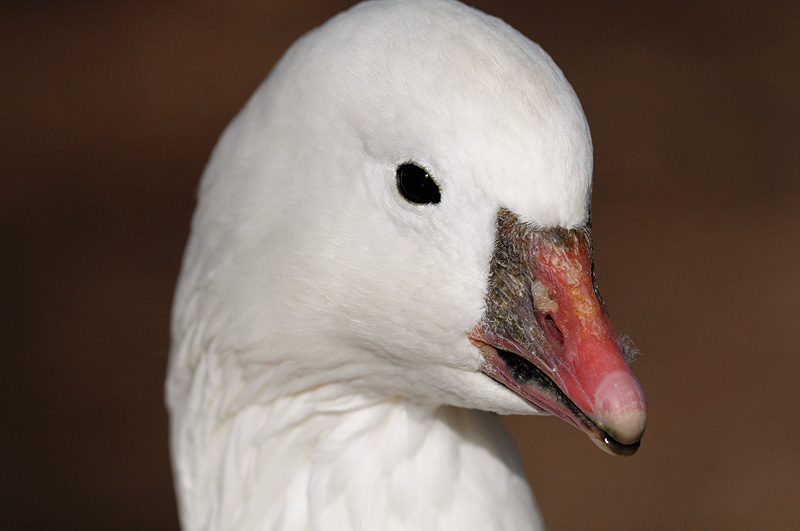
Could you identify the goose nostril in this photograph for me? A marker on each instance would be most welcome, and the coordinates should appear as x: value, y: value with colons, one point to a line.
x: 553, y: 329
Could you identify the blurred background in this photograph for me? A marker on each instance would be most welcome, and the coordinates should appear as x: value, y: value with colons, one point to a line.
x: 109, y: 112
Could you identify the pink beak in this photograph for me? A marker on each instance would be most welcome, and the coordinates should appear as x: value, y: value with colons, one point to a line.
x: 546, y: 334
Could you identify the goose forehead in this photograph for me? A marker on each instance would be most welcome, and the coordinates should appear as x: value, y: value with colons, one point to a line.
x: 474, y: 64
x: 477, y: 101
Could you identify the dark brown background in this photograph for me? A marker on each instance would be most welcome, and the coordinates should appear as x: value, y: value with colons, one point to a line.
x: 110, y: 109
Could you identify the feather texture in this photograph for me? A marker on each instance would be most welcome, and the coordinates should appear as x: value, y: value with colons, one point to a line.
x: 320, y: 375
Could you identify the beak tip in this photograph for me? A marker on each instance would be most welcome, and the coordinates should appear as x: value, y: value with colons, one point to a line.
x: 621, y: 407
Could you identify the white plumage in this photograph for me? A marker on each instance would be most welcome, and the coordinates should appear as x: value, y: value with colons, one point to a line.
x: 321, y: 375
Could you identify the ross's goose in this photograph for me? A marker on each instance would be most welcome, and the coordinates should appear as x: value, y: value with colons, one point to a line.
x: 392, y: 244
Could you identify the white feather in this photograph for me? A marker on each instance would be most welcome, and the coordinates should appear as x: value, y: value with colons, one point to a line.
x: 321, y: 376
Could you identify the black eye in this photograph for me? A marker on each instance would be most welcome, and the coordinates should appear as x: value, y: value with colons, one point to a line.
x: 416, y: 185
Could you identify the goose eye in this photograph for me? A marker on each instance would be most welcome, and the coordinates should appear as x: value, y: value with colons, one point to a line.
x: 416, y: 185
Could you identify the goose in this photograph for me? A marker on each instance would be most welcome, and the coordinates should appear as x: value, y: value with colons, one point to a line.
x: 391, y: 247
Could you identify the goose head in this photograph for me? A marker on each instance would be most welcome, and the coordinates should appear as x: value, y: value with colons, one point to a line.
x: 402, y: 210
